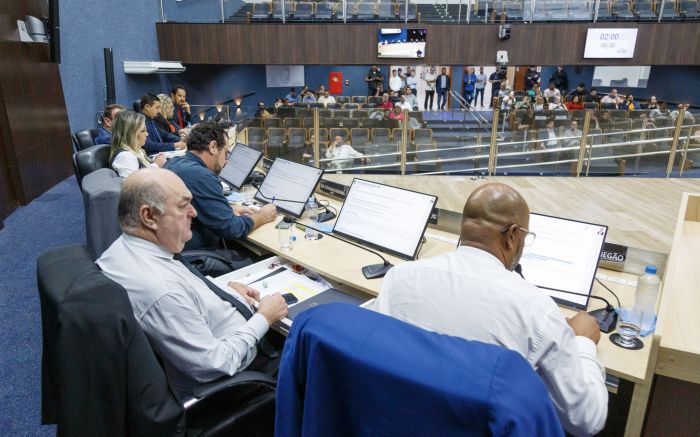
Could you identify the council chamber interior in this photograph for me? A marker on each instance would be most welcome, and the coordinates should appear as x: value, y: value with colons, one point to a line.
x: 610, y: 178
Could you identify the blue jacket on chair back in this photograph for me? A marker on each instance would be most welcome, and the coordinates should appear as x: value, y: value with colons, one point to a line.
x: 347, y: 371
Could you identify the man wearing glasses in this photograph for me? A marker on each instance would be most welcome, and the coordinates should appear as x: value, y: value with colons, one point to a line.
x: 474, y: 293
x: 205, y: 158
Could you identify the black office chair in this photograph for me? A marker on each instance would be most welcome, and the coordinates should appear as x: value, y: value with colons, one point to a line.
x: 101, y: 377
x: 84, y: 139
x: 137, y: 106
x: 90, y: 159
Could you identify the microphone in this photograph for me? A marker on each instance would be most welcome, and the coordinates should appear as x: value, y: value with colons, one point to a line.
x: 606, y: 317
x: 371, y: 271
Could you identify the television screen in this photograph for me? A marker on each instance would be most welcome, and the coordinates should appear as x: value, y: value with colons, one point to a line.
x: 401, y: 43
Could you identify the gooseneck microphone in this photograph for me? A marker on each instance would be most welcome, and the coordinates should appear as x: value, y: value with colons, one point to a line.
x: 606, y: 317
x: 371, y: 271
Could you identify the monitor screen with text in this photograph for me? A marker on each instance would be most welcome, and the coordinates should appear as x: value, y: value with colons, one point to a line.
x: 239, y: 165
x: 385, y: 217
x: 289, y: 185
x: 563, y: 257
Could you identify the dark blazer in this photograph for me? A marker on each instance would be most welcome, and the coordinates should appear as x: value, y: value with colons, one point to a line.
x: 180, y: 117
x: 439, y: 79
x: 99, y: 373
x: 158, y: 140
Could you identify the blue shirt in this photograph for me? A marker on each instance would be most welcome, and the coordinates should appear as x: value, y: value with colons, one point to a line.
x: 469, y: 82
x: 158, y: 140
x: 291, y: 98
x: 215, y: 218
x: 103, y: 137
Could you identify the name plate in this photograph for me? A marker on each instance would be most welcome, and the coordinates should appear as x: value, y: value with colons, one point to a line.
x: 613, y: 256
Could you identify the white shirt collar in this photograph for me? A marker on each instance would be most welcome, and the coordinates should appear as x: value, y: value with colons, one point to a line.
x: 481, y: 254
x: 147, y: 246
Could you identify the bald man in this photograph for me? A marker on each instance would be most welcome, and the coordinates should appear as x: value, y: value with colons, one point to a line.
x: 473, y: 293
x: 199, y: 336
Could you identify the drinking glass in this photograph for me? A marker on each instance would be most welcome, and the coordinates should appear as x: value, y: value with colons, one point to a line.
x: 628, y: 325
x: 286, y: 238
x: 247, y: 195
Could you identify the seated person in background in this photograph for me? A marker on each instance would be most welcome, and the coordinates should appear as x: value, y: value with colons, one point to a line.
x: 326, y: 98
x: 278, y: 102
x: 198, y: 169
x: 342, y: 154
x: 410, y: 98
x: 630, y: 103
x: 508, y: 101
x: 309, y: 97
x: 574, y: 103
x: 539, y: 104
x: 660, y: 112
x: 612, y: 99
x: 286, y: 103
x: 503, y: 90
x: 198, y: 335
x: 534, y: 92
x: 551, y: 91
x: 686, y: 114
x: 579, y: 91
x: 158, y: 139
x: 104, y: 135
x: 557, y: 105
x: 321, y: 90
x: 394, y: 97
x: 652, y: 103
x: 397, y: 114
x: 386, y: 104
x: 473, y: 293
x: 605, y: 122
x: 378, y: 114
x: 524, y: 103
x: 412, y: 81
x: 164, y: 120
x: 549, y: 135
x: 262, y: 111
x: 403, y: 104
x: 126, y: 155
x: 593, y: 96
x: 181, y: 109
x: 379, y: 91
x: 292, y: 96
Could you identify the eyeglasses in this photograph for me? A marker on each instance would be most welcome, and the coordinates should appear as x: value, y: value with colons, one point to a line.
x: 529, y: 236
x: 228, y: 153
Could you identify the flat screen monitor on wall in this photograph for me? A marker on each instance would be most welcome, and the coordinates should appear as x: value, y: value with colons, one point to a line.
x: 401, y: 43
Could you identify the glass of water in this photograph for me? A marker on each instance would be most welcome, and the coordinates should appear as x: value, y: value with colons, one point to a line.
x: 628, y: 325
x: 247, y: 195
x: 286, y: 238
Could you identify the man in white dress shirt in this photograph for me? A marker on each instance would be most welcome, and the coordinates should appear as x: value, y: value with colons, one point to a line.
x: 473, y: 293
x: 199, y: 336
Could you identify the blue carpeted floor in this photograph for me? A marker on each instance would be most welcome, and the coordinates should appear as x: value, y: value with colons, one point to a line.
x: 54, y: 219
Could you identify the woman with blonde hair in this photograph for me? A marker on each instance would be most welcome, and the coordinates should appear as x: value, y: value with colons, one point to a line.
x: 128, y: 137
x: 165, y: 118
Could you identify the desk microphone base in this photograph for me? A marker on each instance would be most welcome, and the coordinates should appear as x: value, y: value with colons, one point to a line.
x: 374, y: 271
x: 606, y: 318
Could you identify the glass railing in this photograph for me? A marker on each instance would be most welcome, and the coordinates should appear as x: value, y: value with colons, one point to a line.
x: 427, y: 11
x: 584, y: 143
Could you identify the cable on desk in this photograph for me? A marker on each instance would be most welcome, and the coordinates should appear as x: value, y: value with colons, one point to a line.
x: 611, y: 292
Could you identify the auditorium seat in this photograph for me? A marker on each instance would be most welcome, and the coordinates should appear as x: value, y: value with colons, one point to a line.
x: 360, y: 113
x: 351, y: 106
x: 341, y: 113
x: 296, y: 138
x: 644, y: 9
x: 329, y: 122
x: 359, y: 136
x: 368, y: 105
x: 303, y: 11
x: 359, y: 99
x: 580, y: 10
x: 689, y: 9
x: 272, y: 122
x: 275, y: 144
x: 374, y: 99
x: 409, y: 15
x: 303, y: 112
x: 364, y: 11
x: 349, y: 123
x: 333, y: 106
x: 325, y: 113
x: 262, y: 11
x: 256, y: 138
x: 605, y: 13
x: 291, y: 122
x: 669, y: 10
x: 277, y: 12
x: 324, y: 11
x: 89, y: 160
x: 622, y: 10
x: 381, y: 135
x: 84, y: 138
x: 308, y: 122
x: 387, y: 10
x: 342, y: 99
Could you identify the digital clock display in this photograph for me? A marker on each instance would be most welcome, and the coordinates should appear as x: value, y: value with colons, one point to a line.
x: 610, y: 43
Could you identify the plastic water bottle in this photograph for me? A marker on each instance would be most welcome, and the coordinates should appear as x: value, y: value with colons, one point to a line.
x: 645, y: 297
x: 312, y: 211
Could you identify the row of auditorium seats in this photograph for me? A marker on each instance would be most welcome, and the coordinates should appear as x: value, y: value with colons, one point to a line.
x: 583, y: 10
x: 308, y: 122
x: 328, y: 11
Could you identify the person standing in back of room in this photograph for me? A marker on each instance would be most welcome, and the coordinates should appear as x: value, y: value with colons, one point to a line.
x: 430, y: 78
x: 442, y: 83
x: 480, y: 86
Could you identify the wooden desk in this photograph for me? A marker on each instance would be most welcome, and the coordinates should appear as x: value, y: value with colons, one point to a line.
x: 638, y: 211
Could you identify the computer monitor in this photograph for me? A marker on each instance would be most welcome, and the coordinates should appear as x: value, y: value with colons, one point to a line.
x: 384, y: 217
x: 563, y: 257
x: 239, y: 165
x: 289, y: 186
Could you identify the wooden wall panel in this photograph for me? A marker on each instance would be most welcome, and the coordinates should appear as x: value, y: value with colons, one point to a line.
x: 35, y: 144
x: 355, y: 44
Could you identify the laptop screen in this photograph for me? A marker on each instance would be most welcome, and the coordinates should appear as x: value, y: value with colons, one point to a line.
x: 239, y: 165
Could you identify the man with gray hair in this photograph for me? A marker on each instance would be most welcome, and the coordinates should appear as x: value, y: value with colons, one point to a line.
x: 200, y: 331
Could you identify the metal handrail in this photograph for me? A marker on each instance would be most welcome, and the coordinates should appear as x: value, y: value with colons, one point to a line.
x: 464, y: 105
